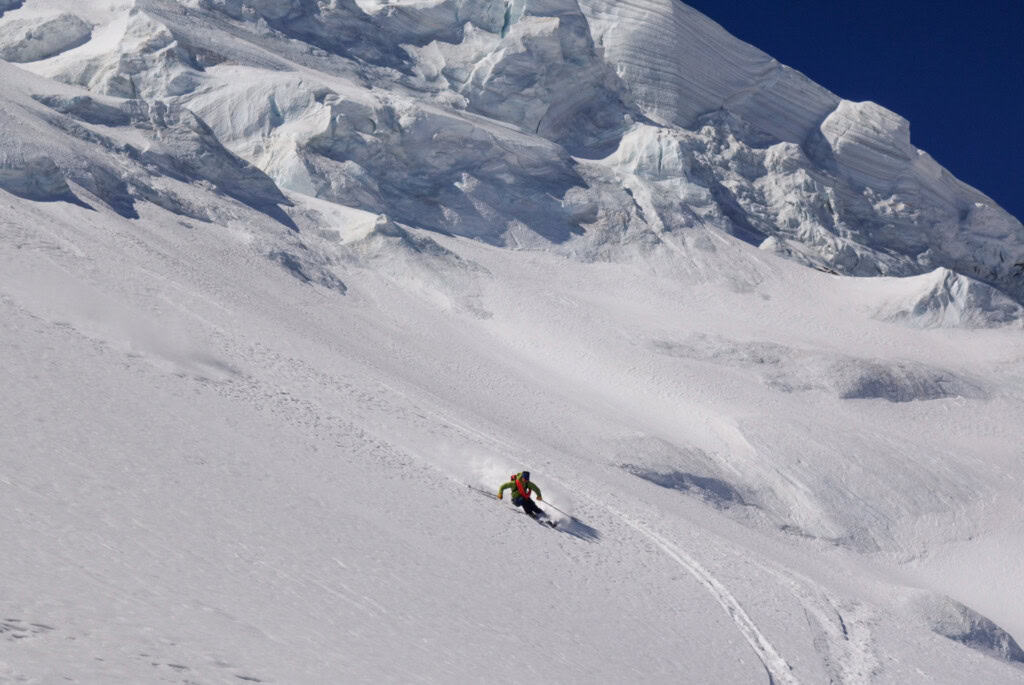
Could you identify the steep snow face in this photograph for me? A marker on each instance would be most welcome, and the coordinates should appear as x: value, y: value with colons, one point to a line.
x: 680, y: 65
x: 231, y: 451
x: 281, y: 278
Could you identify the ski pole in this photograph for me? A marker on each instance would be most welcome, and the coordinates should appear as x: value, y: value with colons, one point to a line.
x: 482, y: 492
x: 553, y: 506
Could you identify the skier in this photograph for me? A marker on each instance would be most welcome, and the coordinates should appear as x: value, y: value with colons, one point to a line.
x: 521, y: 494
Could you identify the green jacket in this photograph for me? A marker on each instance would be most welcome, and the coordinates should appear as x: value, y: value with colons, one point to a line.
x: 528, y: 486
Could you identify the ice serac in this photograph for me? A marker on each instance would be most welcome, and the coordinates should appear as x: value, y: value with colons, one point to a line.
x: 829, y: 182
x: 605, y: 129
x: 27, y: 169
x: 424, y: 165
x: 532, y: 64
x: 946, y: 299
x: 869, y: 144
x: 186, y: 148
x: 28, y: 40
x: 431, y: 167
x: 138, y: 56
x: 34, y: 177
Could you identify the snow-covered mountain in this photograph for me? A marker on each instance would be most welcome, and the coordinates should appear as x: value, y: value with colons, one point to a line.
x: 278, y: 279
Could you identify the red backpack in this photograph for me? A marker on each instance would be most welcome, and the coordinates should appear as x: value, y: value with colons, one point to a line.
x: 524, y: 491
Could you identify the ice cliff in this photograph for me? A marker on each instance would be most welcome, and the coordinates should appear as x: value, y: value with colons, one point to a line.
x: 592, y: 127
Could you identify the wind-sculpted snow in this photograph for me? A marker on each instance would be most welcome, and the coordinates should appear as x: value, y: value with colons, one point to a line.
x: 845, y: 377
x: 680, y: 65
x: 296, y: 265
x: 713, y: 490
x: 952, y: 619
x: 868, y: 144
x: 856, y: 379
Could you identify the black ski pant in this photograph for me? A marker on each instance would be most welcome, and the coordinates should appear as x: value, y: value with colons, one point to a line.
x: 528, y: 505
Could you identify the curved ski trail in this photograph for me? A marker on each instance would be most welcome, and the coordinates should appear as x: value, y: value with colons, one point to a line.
x: 779, y: 671
x: 844, y: 640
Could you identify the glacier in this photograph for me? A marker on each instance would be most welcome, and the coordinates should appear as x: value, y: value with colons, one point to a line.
x: 279, y: 280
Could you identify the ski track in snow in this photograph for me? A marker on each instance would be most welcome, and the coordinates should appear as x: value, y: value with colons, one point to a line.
x: 842, y: 638
x: 778, y: 670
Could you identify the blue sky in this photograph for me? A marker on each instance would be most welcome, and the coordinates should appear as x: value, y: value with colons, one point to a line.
x: 954, y: 69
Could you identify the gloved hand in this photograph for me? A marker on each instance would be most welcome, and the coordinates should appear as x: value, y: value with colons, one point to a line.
x: 539, y: 498
x: 499, y: 495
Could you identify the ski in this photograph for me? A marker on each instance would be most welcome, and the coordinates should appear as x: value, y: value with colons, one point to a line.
x: 544, y: 522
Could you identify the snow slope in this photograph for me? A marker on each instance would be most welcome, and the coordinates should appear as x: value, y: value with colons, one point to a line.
x: 279, y: 282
